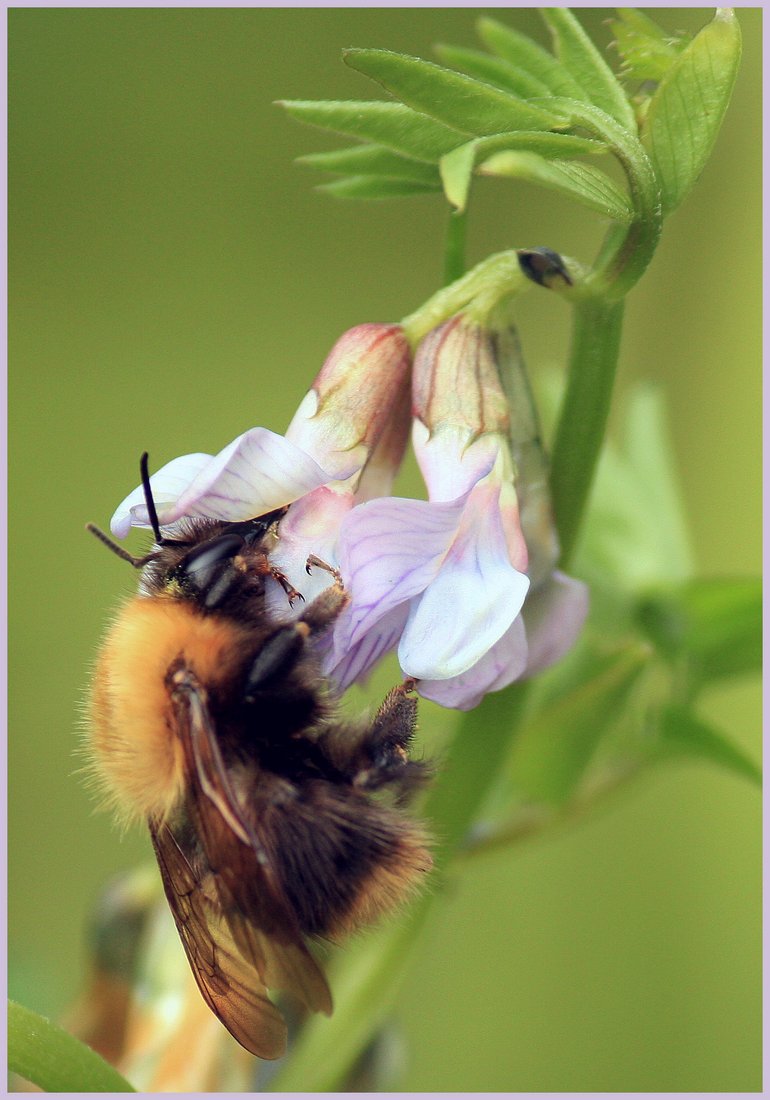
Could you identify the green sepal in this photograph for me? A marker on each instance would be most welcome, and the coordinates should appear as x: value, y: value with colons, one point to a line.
x: 393, y: 125
x: 377, y: 187
x: 714, y: 625
x: 683, y: 734
x: 55, y: 1061
x: 371, y: 160
x: 582, y: 182
x: 685, y: 113
x: 457, y: 167
x: 494, y: 70
x: 580, y: 57
x: 454, y: 99
x: 531, y: 59
x: 647, y: 51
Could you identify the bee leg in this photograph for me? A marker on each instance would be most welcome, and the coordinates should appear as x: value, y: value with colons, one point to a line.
x: 276, y: 657
x: 329, y: 604
x: 378, y: 755
x: 286, y: 585
x: 283, y: 648
x: 386, y: 746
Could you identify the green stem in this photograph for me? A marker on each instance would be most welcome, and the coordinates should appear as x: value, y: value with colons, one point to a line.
x: 497, y: 277
x: 478, y: 752
x: 626, y: 253
x: 597, y: 325
x: 454, y: 254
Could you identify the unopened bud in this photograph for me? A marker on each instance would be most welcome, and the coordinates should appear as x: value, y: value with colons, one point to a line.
x: 355, y: 395
x: 456, y: 383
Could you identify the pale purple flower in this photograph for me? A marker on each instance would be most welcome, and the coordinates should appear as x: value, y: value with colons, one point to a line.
x: 446, y: 579
x: 446, y: 582
x: 347, y: 421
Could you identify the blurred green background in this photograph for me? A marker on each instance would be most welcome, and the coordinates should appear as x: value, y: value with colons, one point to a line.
x: 174, y: 281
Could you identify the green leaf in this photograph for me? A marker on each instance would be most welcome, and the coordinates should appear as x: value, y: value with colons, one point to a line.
x: 456, y: 170
x: 645, y: 48
x: 457, y: 167
x: 684, y: 116
x: 394, y: 125
x: 582, y: 182
x: 581, y: 58
x: 636, y: 535
x: 377, y: 187
x: 493, y: 70
x: 716, y: 625
x: 529, y: 58
x: 51, y: 1058
x: 454, y: 99
x: 683, y: 734
x: 371, y: 160
x: 556, y: 746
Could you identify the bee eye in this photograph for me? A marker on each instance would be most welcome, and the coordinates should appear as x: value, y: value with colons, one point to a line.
x: 201, y: 564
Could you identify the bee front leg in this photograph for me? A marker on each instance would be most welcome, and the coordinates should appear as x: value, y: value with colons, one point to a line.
x: 329, y: 604
x: 283, y: 648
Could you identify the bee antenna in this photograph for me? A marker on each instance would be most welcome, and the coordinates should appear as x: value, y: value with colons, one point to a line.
x: 152, y: 511
x: 137, y: 563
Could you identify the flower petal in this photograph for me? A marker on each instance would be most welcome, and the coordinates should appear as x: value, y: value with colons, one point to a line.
x: 380, y: 471
x: 311, y: 526
x: 500, y: 666
x: 256, y: 473
x: 554, y: 615
x: 473, y: 600
x: 167, y: 484
x: 316, y: 436
x: 353, y: 398
x: 390, y: 550
x: 359, y: 659
x: 452, y: 459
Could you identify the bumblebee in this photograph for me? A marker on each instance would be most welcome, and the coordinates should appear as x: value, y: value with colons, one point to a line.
x: 274, y: 820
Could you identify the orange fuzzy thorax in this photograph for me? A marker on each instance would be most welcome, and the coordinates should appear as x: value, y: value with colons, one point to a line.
x: 137, y: 756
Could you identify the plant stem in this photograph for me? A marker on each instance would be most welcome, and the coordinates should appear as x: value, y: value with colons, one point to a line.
x: 625, y: 254
x: 597, y: 325
x: 454, y: 251
x: 478, y: 752
x: 499, y: 276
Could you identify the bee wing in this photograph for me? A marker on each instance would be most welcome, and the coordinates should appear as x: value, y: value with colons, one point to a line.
x: 229, y: 983
x: 259, y: 918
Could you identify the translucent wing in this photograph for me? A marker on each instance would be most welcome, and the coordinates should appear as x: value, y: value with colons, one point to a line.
x: 259, y: 922
x: 229, y: 983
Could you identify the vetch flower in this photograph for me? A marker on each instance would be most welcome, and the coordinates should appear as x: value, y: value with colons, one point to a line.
x: 443, y: 581
x: 446, y: 579
x: 356, y: 414
x: 346, y: 422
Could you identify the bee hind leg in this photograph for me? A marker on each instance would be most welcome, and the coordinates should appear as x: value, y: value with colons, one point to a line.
x: 377, y: 756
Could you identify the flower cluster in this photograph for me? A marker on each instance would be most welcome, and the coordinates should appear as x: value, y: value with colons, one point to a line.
x: 463, y: 584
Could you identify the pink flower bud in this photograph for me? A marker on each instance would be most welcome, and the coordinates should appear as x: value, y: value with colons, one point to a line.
x: 455, y: 384
x: 353, y: 399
